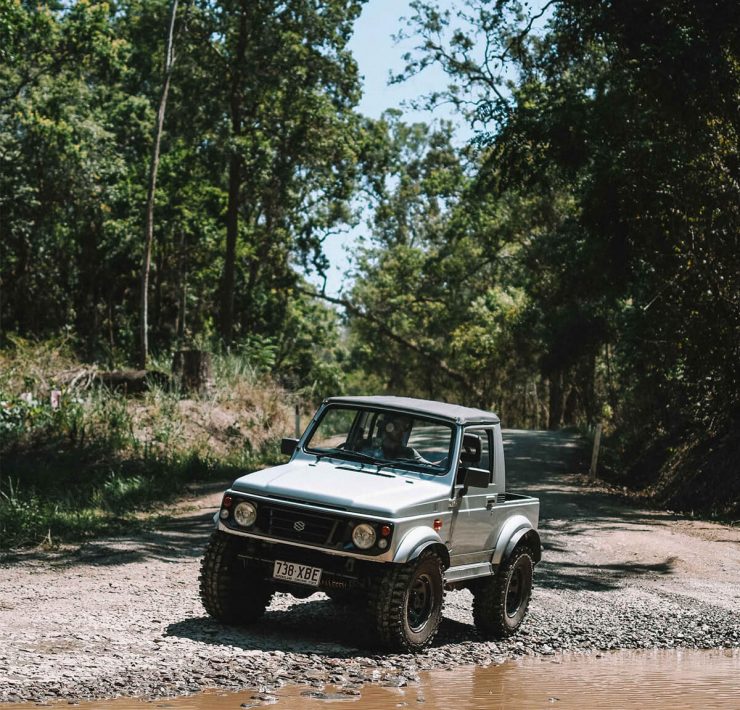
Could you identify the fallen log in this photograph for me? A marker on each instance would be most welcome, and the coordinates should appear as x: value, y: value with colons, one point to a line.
x: 126, y: 381
x: 133, y: 381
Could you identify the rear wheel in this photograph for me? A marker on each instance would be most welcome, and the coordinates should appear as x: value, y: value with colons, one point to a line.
x: 406, y: 605
x: 500, y: 602
x: 228, y: 591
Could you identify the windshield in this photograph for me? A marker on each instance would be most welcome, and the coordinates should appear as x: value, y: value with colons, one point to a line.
x: 383, y: 437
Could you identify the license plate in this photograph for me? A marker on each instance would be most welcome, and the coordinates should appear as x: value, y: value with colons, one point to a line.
x: 293, y: 572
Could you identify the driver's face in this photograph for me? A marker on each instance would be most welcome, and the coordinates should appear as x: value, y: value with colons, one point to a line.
x: 393, y: 432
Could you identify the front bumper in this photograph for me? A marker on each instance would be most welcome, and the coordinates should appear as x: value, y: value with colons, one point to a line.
x: 337, y: 572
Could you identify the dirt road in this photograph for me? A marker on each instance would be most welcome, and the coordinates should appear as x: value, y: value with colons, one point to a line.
x: 122, y: 616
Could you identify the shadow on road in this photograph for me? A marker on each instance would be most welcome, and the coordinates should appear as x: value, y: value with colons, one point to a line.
x: 176, y: 539
x: 597, y: 578
x: 314, y: 626
x: 550, y: 466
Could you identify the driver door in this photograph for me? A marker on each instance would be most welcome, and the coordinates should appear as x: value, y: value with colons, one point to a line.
x: 472, y: 534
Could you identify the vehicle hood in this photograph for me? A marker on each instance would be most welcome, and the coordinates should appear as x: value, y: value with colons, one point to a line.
x: 346, y: 485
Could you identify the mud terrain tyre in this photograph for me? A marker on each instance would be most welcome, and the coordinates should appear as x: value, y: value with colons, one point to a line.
x: 500, y: 602
x: 406, y: 604
x: 227, y: 590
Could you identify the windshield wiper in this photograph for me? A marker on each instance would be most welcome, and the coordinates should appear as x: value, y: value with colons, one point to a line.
x: 415, y: 462
x: 359, y: 455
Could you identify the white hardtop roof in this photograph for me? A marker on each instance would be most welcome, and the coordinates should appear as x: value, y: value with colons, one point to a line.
x: 462, y: 415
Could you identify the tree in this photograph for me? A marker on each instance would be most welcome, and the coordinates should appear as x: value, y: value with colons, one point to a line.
x: 58, y: 162
x: 629, y: 112
x: 154, y: 167
x: 81, y: 83
x: 290, y: 86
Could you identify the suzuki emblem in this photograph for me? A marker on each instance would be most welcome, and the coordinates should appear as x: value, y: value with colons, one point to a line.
x: 299, y: 526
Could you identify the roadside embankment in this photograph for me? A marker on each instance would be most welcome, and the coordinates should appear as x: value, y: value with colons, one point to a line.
x: 81, y: 460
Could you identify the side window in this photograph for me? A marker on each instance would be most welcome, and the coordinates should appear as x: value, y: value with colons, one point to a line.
x: 486, y: 456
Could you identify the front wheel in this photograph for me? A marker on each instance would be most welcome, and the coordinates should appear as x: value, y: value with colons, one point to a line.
x: 228, y: 591
x: 500, y: 602
x: 406, y: 604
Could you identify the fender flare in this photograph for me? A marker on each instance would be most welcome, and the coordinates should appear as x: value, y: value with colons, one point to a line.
x: 515, y: 530
x: 416, y: 541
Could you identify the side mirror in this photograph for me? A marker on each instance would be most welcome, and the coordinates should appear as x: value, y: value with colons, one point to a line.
x: 471, y: 449
x: 288, y: 446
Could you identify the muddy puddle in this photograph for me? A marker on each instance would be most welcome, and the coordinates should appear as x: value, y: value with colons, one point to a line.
x: 624, y: 679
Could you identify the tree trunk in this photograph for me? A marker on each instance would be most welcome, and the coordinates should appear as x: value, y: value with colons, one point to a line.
x: 153, y: 168
x: 232, y: 229
x: 555, y: 415
x: 537, y: 407
x: 570, y: 411
x: 235, y: 165
x: 86, y: 306
x: 193, y: 368
x: 182, y: 276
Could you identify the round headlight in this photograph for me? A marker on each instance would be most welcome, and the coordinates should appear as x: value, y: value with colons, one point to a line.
x: 363, y: 536
x: 245, y: 514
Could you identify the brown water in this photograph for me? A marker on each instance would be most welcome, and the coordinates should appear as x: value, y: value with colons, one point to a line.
x: 623, y: 679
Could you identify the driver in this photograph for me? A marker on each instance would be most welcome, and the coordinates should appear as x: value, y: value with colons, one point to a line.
x: 394, y: 432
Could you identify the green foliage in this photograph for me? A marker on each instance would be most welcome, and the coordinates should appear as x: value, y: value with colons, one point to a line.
x: 311, y: 353
x: 21, y: 516
x: 604, y: 204
x: 78, y: 93
x: 442, y: 309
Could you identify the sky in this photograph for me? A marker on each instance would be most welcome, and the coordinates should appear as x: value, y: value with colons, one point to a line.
x: 377, y: 56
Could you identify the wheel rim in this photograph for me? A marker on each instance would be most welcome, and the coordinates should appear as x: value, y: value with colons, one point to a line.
x: 420, y: 603
x: 515, y: 591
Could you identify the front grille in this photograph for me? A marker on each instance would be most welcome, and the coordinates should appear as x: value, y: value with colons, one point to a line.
x: 299, y: 525
x: 305, y: 526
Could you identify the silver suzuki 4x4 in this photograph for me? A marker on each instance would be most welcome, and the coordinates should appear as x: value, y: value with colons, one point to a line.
x: 386, y: 502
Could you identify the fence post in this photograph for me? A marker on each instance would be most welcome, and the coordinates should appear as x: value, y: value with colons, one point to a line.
x: 298, y: 431
x: 595, y: 454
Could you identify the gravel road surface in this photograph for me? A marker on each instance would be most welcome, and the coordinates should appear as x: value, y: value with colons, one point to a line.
x: 122, y: 616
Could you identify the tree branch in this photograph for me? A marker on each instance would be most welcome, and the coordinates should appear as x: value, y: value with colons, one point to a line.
x: 388, y: 333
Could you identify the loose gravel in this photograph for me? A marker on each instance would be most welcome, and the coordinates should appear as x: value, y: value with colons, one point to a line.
x: 122, y: 617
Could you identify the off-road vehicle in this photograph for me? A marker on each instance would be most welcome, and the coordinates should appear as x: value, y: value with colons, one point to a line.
x: 386, y: 502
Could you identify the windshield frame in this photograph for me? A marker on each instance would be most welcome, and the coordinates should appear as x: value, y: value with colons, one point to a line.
x: 404, y: 466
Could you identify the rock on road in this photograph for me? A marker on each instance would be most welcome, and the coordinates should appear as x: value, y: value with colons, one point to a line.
x: 122, y: 616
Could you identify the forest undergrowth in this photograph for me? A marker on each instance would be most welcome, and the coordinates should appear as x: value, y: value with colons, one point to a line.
x: 81, y: 461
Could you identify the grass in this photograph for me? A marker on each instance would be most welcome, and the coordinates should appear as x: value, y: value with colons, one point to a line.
x: 100, y: 463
